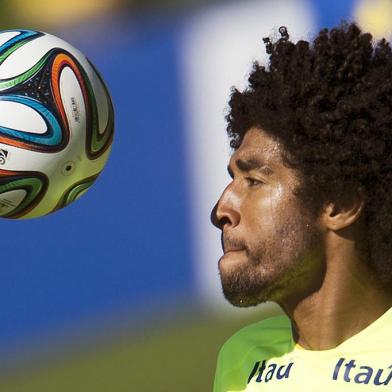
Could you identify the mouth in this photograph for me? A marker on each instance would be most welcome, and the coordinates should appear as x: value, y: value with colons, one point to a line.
x: 230, y: 245
x: 232, y: 257
x: 225, y: 251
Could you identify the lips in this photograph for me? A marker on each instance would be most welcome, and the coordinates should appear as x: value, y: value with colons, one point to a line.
x: 232, y: 250
x: 230, y: 244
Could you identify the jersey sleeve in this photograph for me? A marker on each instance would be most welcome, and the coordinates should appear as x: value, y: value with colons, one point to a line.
x: 239, y: 355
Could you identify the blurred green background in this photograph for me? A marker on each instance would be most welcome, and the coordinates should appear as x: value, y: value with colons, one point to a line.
x: 171, y: 355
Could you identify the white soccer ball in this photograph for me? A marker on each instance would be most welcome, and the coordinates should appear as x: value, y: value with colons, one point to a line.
x: 56, y: 124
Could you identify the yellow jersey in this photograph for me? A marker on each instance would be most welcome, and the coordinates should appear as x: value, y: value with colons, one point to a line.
x: 263, y: 357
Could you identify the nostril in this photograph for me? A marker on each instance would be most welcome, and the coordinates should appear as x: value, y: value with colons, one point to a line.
x: 223, y: 221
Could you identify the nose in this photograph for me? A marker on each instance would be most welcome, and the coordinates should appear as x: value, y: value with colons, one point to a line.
x: 214, y: 217
x: 225, y: 212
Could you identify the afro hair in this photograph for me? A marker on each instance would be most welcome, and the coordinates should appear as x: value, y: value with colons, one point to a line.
x: 329, y: 102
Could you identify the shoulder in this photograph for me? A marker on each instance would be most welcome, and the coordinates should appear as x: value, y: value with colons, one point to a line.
x: 266, y: 339
x: 269, y: 332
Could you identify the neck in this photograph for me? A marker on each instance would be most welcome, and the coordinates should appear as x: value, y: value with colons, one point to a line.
x: 347, y: 301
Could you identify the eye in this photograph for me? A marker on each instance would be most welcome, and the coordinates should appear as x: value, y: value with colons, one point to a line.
x: 252, y: 182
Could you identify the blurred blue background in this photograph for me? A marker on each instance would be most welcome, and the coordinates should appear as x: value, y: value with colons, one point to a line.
x: 131, y: 267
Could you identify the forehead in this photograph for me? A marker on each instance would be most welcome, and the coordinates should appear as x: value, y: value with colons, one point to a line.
x: 257, y: 144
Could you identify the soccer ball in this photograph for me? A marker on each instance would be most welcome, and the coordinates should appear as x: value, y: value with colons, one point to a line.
x: 56, y: 124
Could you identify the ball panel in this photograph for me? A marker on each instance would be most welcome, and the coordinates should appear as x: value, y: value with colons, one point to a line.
x: 98, y: 142
x: 12, y: 65
x: 10, y: 200
x: 23, y: 118
x: 51, y: 139
x: 75, y: 191
x: 30, y: 187
x: 13, y: 81
x: 6, y: 36
x: 64, y: 63
x: 102, y: 98
x: 73, y: 100
x: 27, y: 53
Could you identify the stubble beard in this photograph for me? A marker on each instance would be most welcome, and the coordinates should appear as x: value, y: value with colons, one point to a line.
x: 274, y: 267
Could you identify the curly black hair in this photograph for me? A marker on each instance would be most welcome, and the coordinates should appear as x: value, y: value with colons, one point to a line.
x: 329, y: 103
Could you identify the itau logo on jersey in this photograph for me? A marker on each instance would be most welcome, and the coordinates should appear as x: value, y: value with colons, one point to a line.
x: 344, y: 370
x: 273, y: 371
x: 348, y: 370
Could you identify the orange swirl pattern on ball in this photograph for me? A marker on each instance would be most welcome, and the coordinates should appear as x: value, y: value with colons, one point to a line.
x: 15, y: 143
x: 61, y: 61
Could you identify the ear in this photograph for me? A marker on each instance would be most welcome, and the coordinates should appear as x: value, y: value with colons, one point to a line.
x: 345, y: 211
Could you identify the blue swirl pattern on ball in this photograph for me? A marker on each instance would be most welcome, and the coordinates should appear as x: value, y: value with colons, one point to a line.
x: 24, y: 34
x: 51, y: 137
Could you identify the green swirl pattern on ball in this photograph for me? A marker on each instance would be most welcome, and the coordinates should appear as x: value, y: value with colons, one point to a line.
x: 34, y: 188
x: 11, y: 46
x: 98, y: 142
x: 75, y: 191
x: 8, y: 83
x: 16, y: 42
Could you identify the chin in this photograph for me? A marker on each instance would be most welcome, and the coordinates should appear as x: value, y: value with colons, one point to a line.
x: 245, y: 286
x: 245, y: 297
x: 244, y: 302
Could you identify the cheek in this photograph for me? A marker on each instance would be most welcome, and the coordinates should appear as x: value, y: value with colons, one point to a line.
x: 266, y: 209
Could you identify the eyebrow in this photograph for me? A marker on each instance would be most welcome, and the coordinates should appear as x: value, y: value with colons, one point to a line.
x: 246, y: 165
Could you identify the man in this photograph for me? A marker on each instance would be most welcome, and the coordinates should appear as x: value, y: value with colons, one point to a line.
x: 307, y: 219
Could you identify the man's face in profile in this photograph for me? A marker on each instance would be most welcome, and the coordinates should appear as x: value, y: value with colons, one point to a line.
x: 272, y: 246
